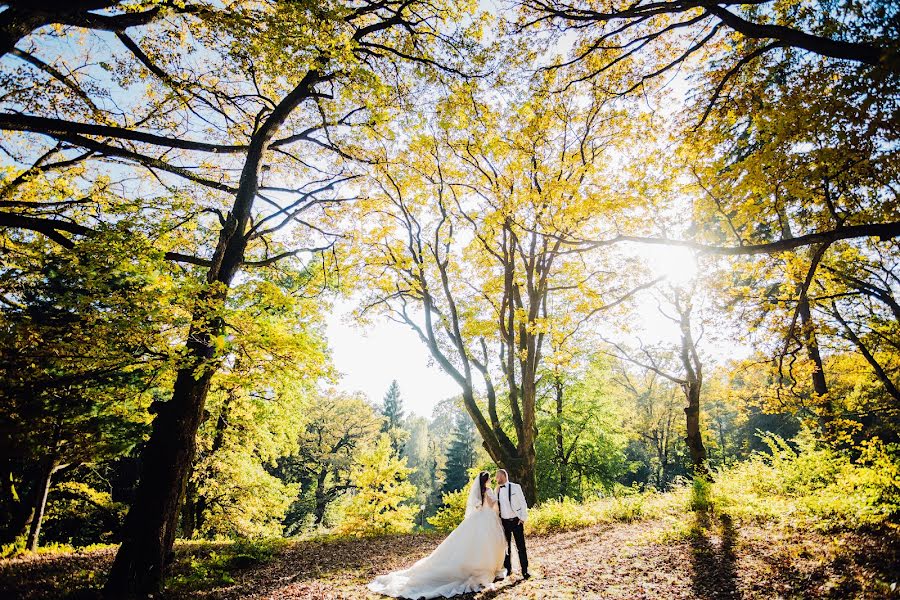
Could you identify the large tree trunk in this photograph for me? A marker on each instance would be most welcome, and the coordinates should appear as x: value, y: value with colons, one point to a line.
x: 694, y: 437
x: 321, y: 497
x: 692, y: 385
x: 149, y: 531
x: 522, y: 472
x: 42, y: 488
x: 561, y: 457
x: 189, y: 511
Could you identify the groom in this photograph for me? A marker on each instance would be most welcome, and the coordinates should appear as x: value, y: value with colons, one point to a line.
x: 513, y: 513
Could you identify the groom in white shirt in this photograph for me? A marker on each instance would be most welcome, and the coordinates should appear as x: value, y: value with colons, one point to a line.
x: 513, y: 513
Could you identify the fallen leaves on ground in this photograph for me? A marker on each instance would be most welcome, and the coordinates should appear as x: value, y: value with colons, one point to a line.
x: 705, y: 556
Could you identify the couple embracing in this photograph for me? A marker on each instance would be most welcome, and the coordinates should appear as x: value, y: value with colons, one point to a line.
x: 476, y: 553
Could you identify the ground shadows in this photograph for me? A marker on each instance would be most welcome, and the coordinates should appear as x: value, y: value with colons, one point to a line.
x: 713, y: 559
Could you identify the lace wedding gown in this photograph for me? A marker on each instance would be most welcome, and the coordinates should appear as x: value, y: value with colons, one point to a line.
x: 466, y: 561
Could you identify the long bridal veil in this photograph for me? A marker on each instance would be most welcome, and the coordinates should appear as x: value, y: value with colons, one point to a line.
x: 475, y: 501
x: 466, y: 561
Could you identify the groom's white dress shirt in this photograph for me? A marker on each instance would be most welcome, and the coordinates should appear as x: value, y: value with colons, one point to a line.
x: 512, y: 501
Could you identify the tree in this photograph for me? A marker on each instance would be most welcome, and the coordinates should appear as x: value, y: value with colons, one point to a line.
x: 461, y: 457
x: 418, y: 453
x: 392, y: 411
x: 330, y: 447
x: 238, y: 104
x: 259, y: 399
x: 654, y: 422
x: 464, y: 239
x: 864, y: 36
x: 380, y: 490
x: 79, y: 352
x: 580, y: 450
x: 21, y: 19
x: 773, y: 139
x: 688, y: 374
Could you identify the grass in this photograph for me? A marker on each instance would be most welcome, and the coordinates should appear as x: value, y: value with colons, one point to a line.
x: 638, y: 545
x: 800, y: 522
x: 213, y: 564
x: 566, y: 515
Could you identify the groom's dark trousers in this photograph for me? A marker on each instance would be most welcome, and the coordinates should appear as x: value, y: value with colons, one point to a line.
x: 512, y: 528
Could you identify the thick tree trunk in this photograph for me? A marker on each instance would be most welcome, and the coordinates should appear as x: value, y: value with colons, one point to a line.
x: 149, y: 532
x: 692, y: 385
x: 561, y: 458
x: 321, y: 497
x: 189, y: 512
x: 694, y: 438
x: 41, y: 490
x: 522, y: 473
x: 520, y: 466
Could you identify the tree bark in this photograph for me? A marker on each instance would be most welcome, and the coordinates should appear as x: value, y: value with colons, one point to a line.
x: 189, y: 512
x: 694, y: 438
x: 562, y: 460
x: 149, y: 531
x: 692, y: 385
x: 321, y: 496
x: 41, y: 490
x: 811, y: 343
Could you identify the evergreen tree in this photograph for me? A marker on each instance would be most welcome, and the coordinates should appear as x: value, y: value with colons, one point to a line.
x: 461, y: 455
x: 393, y: 417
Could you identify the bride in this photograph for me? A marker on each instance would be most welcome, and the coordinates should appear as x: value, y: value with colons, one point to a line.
x: 467, y: 561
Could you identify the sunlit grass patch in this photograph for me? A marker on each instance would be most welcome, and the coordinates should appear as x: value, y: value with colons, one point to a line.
x: 204, y: 563
x: 802, y: 483
x: 564, y: 515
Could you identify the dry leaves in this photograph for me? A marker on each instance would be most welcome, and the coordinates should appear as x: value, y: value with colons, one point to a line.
x: 712, y: 558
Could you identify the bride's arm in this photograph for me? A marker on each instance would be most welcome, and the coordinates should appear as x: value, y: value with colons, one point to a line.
x: 490, y: 498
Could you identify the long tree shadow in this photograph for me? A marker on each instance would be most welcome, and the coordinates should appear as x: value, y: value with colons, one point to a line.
x: 714, y: 568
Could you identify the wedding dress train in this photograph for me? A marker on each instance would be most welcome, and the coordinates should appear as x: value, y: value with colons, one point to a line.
x: 466, y: 561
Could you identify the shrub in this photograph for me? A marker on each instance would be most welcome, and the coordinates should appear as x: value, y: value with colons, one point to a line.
x: 381, y: 488
x: 14, y: 548
x: 700, y: 494
x: 812, y: 484
x: 79, y: 515
x: 451, y: 512
x: 628, y: 506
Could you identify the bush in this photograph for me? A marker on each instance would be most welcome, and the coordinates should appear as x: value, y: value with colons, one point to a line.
x: 811, y: 484
x: 381, y: 491
x: 14, y: 548
x: 79, y: 515
x: 628, y: 506
x: 701, y: 490
x: 452, y: 511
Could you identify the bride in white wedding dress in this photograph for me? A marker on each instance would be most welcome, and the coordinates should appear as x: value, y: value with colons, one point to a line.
x: 467, y: 561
